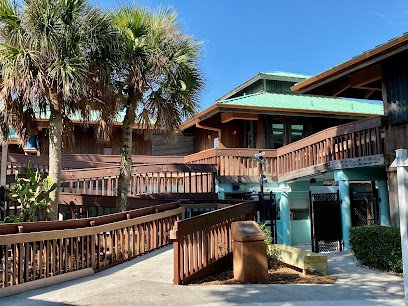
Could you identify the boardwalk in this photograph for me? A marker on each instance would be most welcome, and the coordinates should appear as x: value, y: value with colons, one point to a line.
x: 147, y: 280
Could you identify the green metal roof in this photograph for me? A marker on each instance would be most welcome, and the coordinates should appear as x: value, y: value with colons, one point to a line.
x: 285, y: 74
x: 305, y: 103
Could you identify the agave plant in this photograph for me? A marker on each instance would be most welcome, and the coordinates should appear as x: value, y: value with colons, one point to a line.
x: 32, y: 192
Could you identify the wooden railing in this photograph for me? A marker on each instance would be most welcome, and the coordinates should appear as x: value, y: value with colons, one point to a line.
x: 235, y: 161
x: 146, y: 179
x: 32, y: 251
x: 77, y: 206
x: 203, y: 243
x: 353, y: 140
x: 357, y: 139
x: 20, y: 162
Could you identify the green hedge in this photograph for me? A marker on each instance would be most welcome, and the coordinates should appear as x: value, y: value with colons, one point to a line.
x: 377, y: 247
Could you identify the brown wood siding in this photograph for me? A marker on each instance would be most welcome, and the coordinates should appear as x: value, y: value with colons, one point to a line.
x: 233, y: 134
x: 260, y: 133
x: 204, y: 139
x: 86, y: 141
x: 181, y: 146
x: 141, y: 146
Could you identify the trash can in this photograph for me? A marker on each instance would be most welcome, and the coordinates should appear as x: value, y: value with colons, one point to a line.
x: 249, y: 253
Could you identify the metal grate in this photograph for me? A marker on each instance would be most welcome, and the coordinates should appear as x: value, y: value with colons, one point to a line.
x: 324, y: 197
x: 329, y: 246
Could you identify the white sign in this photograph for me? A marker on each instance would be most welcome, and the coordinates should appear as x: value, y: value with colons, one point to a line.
x: 262, y: 153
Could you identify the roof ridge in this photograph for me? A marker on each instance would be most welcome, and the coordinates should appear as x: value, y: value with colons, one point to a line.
x: 287, y: 74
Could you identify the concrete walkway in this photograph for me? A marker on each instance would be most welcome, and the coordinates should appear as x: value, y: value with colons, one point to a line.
x: 147, y: 280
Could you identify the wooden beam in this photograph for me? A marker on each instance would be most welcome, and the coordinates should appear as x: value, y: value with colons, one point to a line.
x: 343, y: 86
x: 348, y: 163
x: 227, y: 117
x: 357, y: 63
x: 211, y: 129
x: 366, y: 76
x: 369, y: 93
x: 369, y: 88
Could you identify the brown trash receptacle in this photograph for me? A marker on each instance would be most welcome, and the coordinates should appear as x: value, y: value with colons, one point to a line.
x: 249, y: 253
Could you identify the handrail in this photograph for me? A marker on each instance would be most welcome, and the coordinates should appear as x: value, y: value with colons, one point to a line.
x: 157, y: 178
x: 356, y: 139
x: 203, y: 242
x: 352, y: 127
x: 30, y: 256
x: 29, y: 227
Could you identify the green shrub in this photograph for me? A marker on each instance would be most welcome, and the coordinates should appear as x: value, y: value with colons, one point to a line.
x: 13, y: 219
x: 377, y: 247
x: 31, y: 192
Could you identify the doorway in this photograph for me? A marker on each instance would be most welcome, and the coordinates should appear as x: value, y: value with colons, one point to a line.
x: 325, y: 216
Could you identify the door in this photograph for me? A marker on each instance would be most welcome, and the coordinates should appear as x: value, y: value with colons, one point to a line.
x: 325, y: 216
x: 364, y: 208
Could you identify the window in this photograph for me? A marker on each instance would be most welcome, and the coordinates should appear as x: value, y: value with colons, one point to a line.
x: 296, y: 132
x: 278, y: 135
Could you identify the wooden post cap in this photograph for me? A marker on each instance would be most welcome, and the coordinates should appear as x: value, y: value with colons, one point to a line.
x: 246, y: 231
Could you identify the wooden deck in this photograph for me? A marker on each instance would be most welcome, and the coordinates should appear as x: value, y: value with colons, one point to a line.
x: 356, y: 144
x: 352, y: 145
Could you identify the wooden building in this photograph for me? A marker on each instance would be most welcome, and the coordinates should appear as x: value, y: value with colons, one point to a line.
x: 264, y: 113
x: 380, y: 74
x: 311, y: 142
x: 85, y: 141
x: 316, y: 148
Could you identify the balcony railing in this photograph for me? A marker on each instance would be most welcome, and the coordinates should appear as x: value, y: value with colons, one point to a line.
x: 353, y: 140
x: 358, y: 139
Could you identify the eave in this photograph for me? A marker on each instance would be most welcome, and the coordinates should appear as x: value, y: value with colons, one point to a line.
x: 219, y: 108
x: 336, y: 81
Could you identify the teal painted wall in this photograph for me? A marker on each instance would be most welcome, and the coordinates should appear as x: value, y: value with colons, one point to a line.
x: 279, y: 231
x: 300, y: 232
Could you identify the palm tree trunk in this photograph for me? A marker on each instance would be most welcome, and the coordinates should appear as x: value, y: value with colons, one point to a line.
x: 55, y: 145
x: 126, y: 156
x: 4, y: 151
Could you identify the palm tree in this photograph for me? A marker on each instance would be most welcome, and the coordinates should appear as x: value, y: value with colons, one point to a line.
x: 54, y: 59
x: 159, y: 76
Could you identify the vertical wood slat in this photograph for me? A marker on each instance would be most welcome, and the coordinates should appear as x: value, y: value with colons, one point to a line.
x: 27, y: 261
x: 204, y: 244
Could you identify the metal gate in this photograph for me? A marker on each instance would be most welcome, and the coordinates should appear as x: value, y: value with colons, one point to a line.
x: 268, y: 213
x: 364, y: 208
x: 325, y: 216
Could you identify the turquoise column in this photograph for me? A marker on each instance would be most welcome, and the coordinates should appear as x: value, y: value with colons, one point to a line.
x: 219, y: 189
x: 384, y: 204
x: 344, y: 191
x: 285, y: 218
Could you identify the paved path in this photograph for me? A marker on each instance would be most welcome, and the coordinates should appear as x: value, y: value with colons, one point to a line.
x: 147, y: 280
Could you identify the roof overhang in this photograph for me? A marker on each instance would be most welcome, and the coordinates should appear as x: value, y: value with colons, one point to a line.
x: 359, y: 77
x: 241, y: 111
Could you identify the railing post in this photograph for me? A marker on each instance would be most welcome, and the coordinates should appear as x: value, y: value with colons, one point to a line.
x: 177, y: 255
x: 93, y: 262
x: 176, y: 251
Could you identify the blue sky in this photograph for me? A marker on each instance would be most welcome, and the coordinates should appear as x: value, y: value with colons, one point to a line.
x: 241, y: 38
